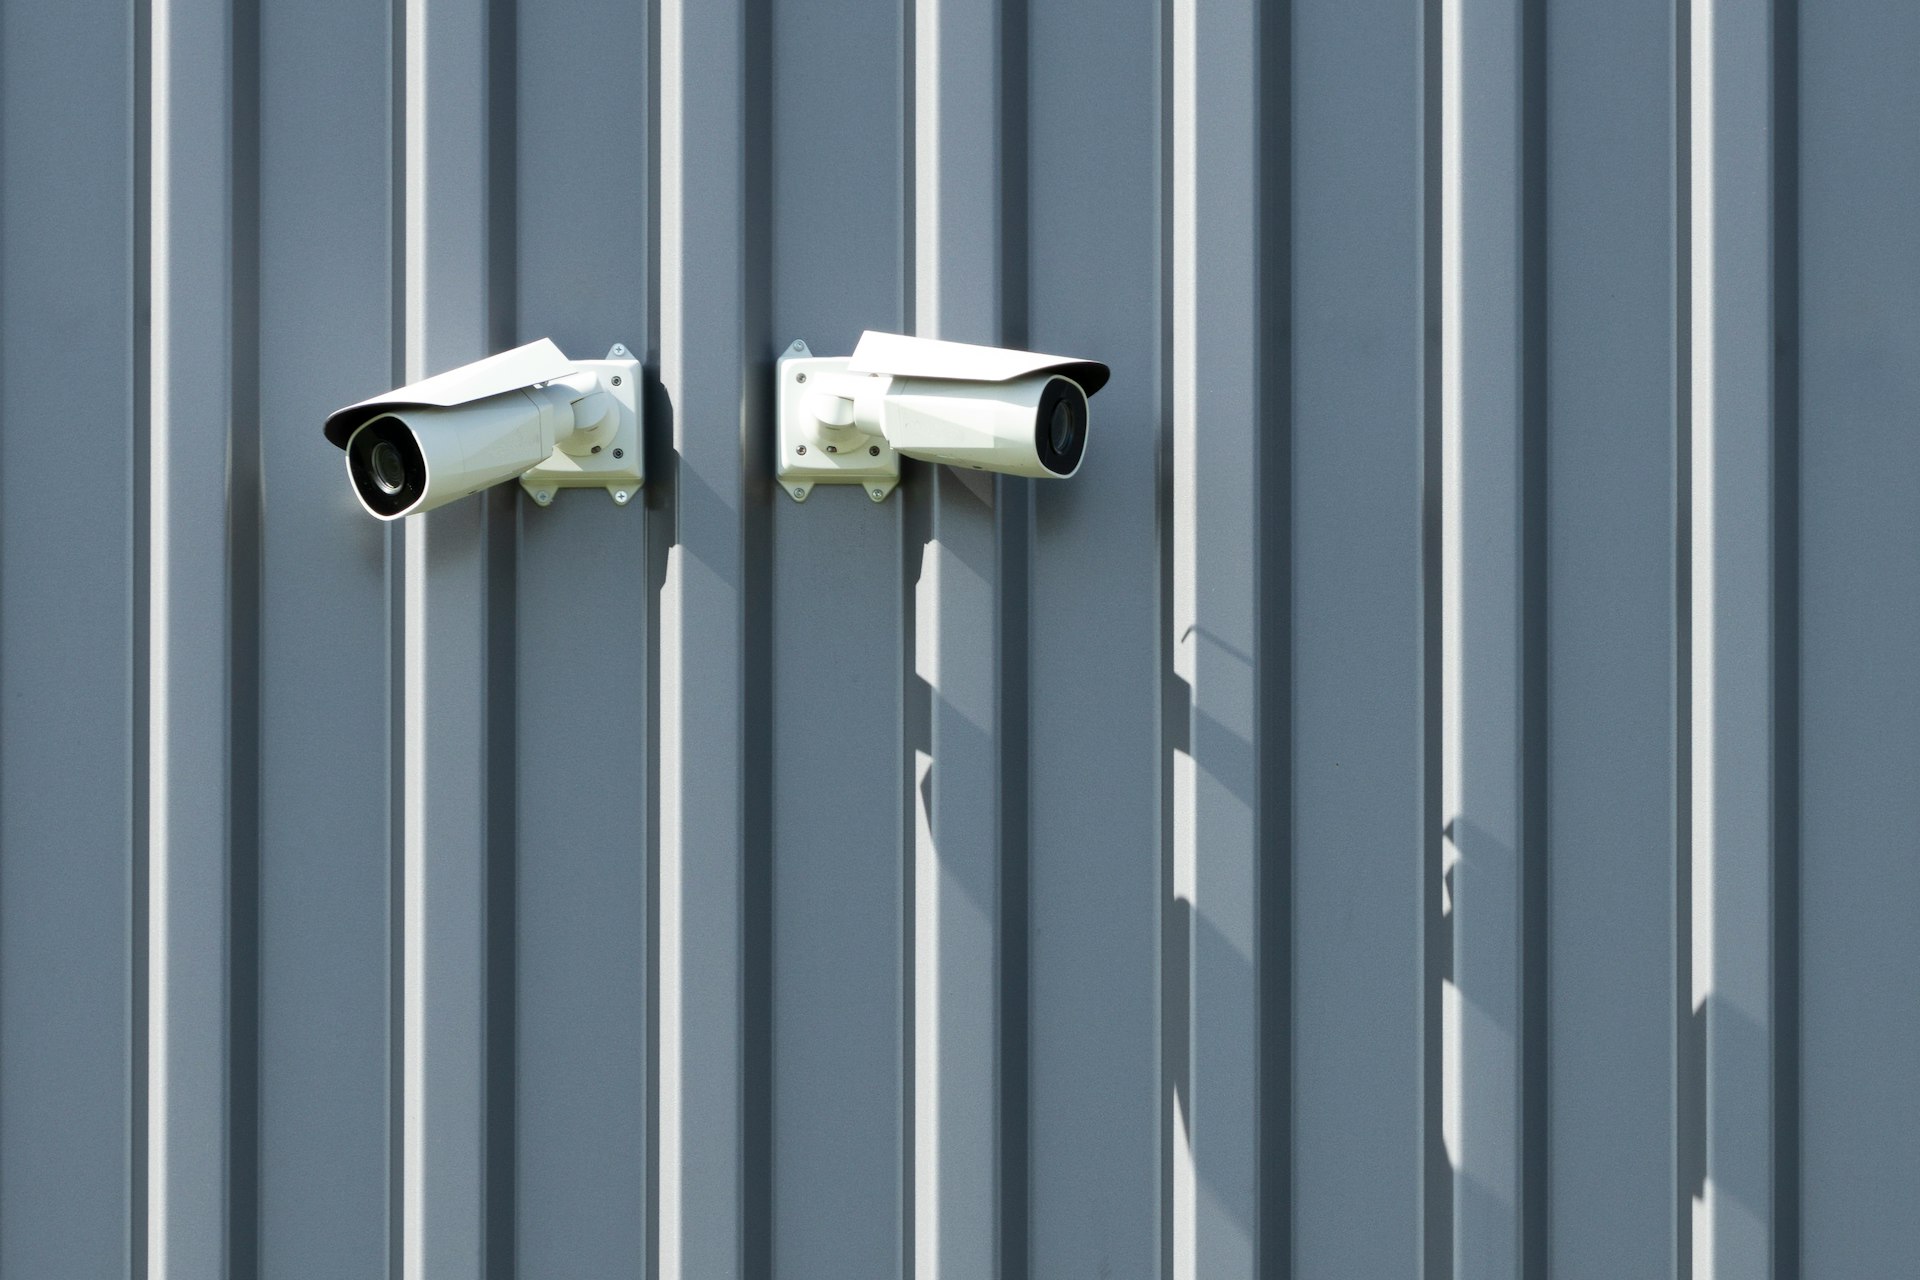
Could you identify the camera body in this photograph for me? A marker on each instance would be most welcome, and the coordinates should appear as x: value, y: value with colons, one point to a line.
x: 851, y: 420
x: 529, y: 413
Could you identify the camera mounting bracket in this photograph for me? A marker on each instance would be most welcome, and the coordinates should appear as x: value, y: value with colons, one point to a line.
x: 816, y: 441
x: 610, y: 455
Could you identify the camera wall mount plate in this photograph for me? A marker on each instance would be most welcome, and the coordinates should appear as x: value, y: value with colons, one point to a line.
x: 815, y: 439
x: 613, y: 460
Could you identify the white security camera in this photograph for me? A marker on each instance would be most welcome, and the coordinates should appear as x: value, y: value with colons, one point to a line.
x: 848, y: 421
x: 530, y: 412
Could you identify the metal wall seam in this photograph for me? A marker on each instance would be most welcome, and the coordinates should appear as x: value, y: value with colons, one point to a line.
x: 449, y: 716
x: 199, y: 804
x: 1217, y: 634
x: 1487, y: 631
x: 1273, y: 788
x: 1689, y: 1069
x: 1736, y: 646
x: 959, y: 950
x: 704, y: 704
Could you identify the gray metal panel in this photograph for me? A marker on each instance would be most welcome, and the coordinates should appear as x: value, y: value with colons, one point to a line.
x: 580, y: 882
x: 1011, y: 878
x: 1093, y: 649
x: 1610, y: 650
x: 72, y: 1102
x: 1358, y: 650
x: 840, y: 670
x: 1859, y: 580
x: 324, y: 843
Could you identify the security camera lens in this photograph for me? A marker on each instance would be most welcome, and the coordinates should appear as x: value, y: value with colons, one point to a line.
x: 1061, y: 430
x: 389, y: 471
x: 1060, y: 426
x: 387, y: 468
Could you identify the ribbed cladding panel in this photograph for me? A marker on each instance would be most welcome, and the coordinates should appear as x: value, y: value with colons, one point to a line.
x: 1358, y: 702
x: 1742, y: 693
x: 325, y: 339
x: 1219, y: 851
x: 582, y: 972
x: 1046, y: 877
x: 972, y: 519
x: 840, y: 670
x: 1093, y: 900
x: 202, y: 533
x: 1858, y: 330
x: 456, y: 691
x: 1488, y: 630
x: 1610, y: 756
x: 71, y: 554
x: 708, y: 359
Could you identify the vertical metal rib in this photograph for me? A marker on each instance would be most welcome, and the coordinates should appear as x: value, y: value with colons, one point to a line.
x: 1689, y: 1110
x: 452, y: 666
x: 1219, y: 633
x: 198, y: 807
x: 707, y: 814
x: 1489, y: 641
x: 958, y: 944
x: 1736, y: 717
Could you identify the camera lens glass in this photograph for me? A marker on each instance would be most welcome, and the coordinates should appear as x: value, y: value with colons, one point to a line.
x: 389, y: 472
x: 1059, y: 432
x: 1060, y: 426
x: 386, y: 465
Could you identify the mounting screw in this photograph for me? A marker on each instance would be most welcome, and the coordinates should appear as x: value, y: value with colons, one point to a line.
x: 616, y: 379
x: 833, y: 448
x: 619, y: 453
x: 799, y: 377
x: 540, y: 496
x: 874, y: 449
x: 619, y: 495
x: 801, y: 449
x: 878, y: 494
x: 596, y: 448
x: 798, y: 343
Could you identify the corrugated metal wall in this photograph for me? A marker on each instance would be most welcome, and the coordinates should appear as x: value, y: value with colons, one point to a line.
x: 1436, y: 796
